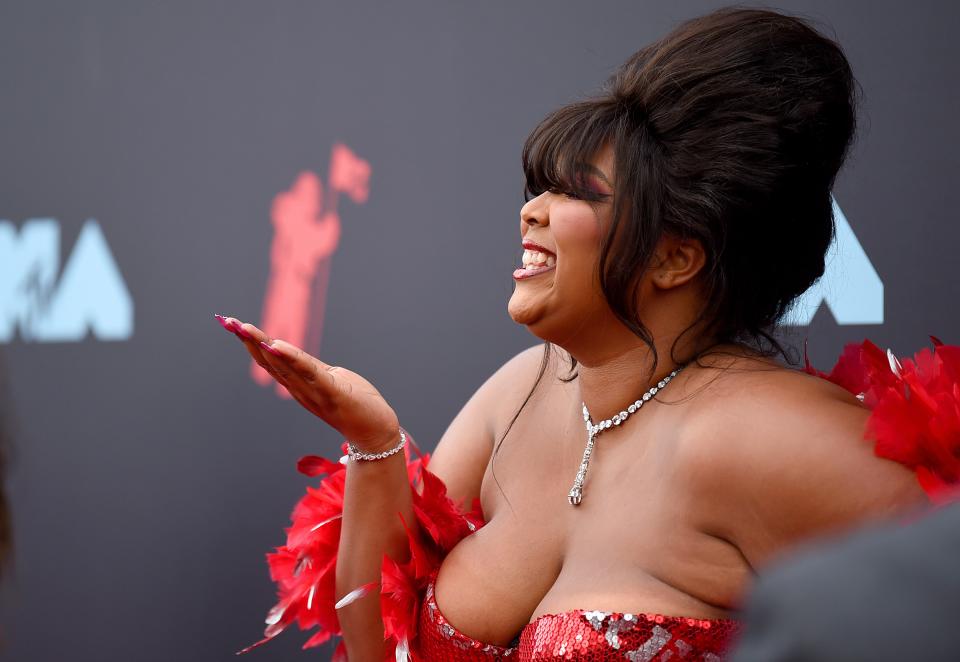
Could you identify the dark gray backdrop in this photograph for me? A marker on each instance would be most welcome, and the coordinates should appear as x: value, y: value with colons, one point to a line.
x: 152, y: 474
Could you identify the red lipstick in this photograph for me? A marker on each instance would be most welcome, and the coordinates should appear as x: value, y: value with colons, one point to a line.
x: 532, y: 246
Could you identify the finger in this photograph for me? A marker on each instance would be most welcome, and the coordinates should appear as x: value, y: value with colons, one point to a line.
x: 248, y: 336
x: 222, y: 321
x: 306, y: 378
x: 248, y: 331
x: 318, y: 386
x: 276, y: 361
x: 234, y: 326
x: 280, y: 375
x: 301, y: 372
x: 251, y: 337
x: 325, y: 381
x: 308, y: 367
x: 303, y: 393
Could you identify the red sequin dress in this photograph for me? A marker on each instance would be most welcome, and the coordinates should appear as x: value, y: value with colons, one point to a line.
x: 915, y: 420
x: 581, y: 635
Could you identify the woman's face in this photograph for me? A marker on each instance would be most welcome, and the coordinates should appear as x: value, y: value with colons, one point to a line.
x: 557, y: 292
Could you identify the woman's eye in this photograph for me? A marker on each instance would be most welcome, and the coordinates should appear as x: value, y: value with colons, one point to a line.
x: 588, y: 195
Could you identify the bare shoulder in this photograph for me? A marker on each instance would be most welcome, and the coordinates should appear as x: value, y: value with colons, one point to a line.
x: 510, y: 386
x: 464, y: 450
x: 789, y: 454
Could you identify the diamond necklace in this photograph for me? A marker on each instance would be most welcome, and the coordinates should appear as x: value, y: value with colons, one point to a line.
x: 593, y: 429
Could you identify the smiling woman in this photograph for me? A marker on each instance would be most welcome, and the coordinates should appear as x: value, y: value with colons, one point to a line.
x: 669, y: 223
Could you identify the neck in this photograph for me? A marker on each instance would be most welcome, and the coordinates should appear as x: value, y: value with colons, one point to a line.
x: 617, y: 367
x: 609, y: 386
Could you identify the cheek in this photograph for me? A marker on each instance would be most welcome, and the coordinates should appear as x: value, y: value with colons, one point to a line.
x: 578, y: 234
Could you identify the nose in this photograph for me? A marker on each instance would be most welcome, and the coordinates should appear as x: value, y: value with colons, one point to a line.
x: 536, y: 211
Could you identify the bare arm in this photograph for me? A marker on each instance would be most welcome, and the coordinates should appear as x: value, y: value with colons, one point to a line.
x: 377, y: 493
x: 800, y: 468
x: 464, y: 451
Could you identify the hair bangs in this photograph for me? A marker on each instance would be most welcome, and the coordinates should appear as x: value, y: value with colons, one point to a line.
x: 557, y: 151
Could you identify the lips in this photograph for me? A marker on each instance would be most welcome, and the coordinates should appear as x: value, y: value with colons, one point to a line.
x: 529, y: 272
x: 536, y: 260
x: 533, y: 246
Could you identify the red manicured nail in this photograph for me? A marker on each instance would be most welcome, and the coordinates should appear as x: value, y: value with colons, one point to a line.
x: 223, y: 322
x: 240, y: 332
x: 272, y: 350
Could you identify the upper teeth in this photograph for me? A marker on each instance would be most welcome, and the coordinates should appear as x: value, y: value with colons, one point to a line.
x: 533, y: 259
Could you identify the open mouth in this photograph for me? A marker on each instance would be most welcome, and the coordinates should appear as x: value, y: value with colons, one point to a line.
x: 536, y: 260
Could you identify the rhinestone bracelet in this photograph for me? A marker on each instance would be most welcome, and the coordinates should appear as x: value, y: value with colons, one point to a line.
x: 356, y: 454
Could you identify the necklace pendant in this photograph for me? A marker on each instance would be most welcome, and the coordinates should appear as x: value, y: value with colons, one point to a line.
x: 575, y: 496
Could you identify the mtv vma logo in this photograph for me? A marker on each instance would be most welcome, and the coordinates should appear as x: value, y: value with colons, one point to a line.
x: 90, y: 294
x: 850, y: 286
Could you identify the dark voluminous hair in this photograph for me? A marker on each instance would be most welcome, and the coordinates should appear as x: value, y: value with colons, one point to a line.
x: 729, y: 130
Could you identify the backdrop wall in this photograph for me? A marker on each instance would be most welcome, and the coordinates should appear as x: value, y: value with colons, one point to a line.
x: 348, y: 172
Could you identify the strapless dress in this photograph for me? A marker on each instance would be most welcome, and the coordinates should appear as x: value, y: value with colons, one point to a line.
x: 915, y: 420
x: 580, y: 635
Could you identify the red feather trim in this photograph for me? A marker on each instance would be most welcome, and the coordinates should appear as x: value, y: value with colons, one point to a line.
x: 915, y: 403
x: 304, y: 569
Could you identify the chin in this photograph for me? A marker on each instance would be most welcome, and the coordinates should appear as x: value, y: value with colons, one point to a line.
x: 525, y: 309
x: 556, y: 324
x: 521, y: 313
x: 536, y: 322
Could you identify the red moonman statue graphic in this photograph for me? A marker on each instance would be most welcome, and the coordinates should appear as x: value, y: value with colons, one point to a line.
x: 306, y: 233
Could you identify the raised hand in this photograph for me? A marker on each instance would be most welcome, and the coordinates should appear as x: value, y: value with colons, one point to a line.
x: 341, y: 398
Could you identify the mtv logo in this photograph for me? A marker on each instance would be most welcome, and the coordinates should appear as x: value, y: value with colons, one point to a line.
x: 850, y: 286
x: 90, y: 295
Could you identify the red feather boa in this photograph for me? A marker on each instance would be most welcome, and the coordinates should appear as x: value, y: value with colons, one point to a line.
x: 915, y: 403
x: 915, y: 420
x: 305, y: 568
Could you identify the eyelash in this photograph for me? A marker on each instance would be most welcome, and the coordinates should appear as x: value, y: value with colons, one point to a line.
x: 573, y: 196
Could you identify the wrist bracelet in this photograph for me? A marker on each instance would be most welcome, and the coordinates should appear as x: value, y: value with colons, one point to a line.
x: 355, y: 453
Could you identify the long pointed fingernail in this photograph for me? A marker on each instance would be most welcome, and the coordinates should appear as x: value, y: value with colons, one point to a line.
x: 272, y: 350
x: 239, y: 330
x: 223, y: 321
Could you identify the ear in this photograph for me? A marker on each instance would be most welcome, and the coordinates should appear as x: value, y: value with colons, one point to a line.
x: 676, y: 261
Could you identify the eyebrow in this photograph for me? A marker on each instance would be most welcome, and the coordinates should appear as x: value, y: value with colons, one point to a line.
x: 594, y: 170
